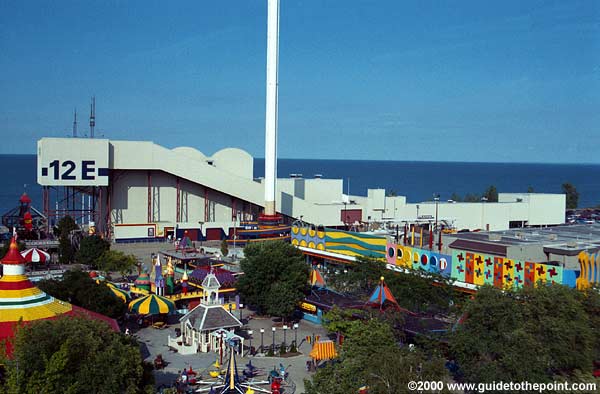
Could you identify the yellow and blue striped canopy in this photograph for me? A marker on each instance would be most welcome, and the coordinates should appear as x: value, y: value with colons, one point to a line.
x: 152, y: 304
x: 121, y: 294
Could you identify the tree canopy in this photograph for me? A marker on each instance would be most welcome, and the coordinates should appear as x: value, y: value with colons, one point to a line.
x: 532, y: 334
x: 371, y: 357
x: 572, y: 195
x: 275, y: 277
x: 65, y: 247
x: 79, y: 289
x: 491, y: 194
x: 413, y: 290
x: 90, y: 249
x: 116, y: 261
x: 224, y: 248
x: 75, y: 355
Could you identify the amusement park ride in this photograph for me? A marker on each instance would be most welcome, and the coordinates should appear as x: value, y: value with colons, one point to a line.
x: 26, y: 220
x: 252, y: 379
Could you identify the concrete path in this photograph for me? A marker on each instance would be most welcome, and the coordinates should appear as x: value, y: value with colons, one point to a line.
x: 154, y: 342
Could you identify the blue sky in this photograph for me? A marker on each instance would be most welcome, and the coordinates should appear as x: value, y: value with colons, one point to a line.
x: 381, y: 80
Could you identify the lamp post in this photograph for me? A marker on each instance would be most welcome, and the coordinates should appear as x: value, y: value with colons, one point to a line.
x: 285, y: 327
x: 234, y: 229
x: 250, y: 332
x: 241, y: 307
x: 436, y: 198
x: 262, y: 337
x: 201, y: 223
x: 295, y: 334
x: 273, y: 329
x: 483, y: 201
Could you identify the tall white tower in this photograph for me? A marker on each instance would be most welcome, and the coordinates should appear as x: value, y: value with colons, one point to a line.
x: 271, y: 112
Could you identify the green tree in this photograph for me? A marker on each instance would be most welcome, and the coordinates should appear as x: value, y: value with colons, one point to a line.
x: 491, y: 194
x: 224, y: 248
x: 65, y: 225
x: 530, y: 189
x: 546, y: 329
x: 64, y: 229
x: 79, y: 289
x: 413, y: 290
x: 75, y: 355
x: 339, y: 320
x: 360, y: 278
x: 116, y: 261
x: 371, y: 357
x: 456, y: 197
x: 572, y: 195
x: 472, y: 198
x: 90, y: 250
x: 275, y: 277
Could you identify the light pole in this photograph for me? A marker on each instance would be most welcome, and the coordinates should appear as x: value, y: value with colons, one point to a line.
x: 250, y: 332
x: 436, y: 198
x: 285, y: 327
x: 262, y: 337
x: 483, y: 201
x: 234, y: 229
x: 273, y: 329
x: 241, y: 307
x: 296, y: 335
x: 201, y: 223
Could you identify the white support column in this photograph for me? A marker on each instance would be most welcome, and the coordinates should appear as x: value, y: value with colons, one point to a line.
x: 271, y: 111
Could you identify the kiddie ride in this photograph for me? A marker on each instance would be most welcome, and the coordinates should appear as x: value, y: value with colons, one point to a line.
x: 251, y: 380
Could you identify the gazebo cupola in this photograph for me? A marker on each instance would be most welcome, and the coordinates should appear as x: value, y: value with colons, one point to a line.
x: 210, y: 290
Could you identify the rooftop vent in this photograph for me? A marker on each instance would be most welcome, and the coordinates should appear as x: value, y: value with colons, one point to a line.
x: 572, y: 244
x: 552, y: 237
x: 495, y: 237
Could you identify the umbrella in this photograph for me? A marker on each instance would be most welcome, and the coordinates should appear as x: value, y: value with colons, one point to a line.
x: 35, y: 255
x: 152, y: 304
x: 122, y: 294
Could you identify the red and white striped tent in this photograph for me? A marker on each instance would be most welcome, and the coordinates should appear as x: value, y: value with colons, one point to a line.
x: 35, y: 255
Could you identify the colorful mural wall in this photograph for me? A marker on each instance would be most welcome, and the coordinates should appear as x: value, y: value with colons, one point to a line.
x: 479, y: 269
x: 465, y: 267
x: 590, y: 270
x: 339, y: 241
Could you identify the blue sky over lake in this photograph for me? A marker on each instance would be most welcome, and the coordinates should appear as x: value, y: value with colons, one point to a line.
x: 381, y: 80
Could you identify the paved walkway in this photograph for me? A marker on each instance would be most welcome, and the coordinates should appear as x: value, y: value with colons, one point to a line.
x: 154, y: 342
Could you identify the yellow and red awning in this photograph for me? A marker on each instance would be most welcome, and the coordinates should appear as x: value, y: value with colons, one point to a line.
x: 323, y: 350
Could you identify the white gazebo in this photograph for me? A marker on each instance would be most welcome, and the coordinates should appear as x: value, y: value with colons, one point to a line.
x: 207, y: 327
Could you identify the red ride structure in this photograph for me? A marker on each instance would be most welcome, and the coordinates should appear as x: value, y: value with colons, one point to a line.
x: 28, y: 221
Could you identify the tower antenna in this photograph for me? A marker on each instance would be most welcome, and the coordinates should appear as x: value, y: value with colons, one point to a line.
x: 92, y: 116
x: 75, y: 124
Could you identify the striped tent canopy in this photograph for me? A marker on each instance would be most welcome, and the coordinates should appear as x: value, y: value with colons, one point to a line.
x: 323, y: 350
x: 152, y: 304
x: 316, y: 279
x: 35, y: 255
x: 121, y: 294
x: 143, y: 281
x: 22, y: 302
x: 382, y: 294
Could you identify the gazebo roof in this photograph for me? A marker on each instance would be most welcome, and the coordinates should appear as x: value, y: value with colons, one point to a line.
x: 210, y: 317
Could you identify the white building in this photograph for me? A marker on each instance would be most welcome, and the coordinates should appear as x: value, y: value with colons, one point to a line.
x: 208, y: 327
x: 140, y: 190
